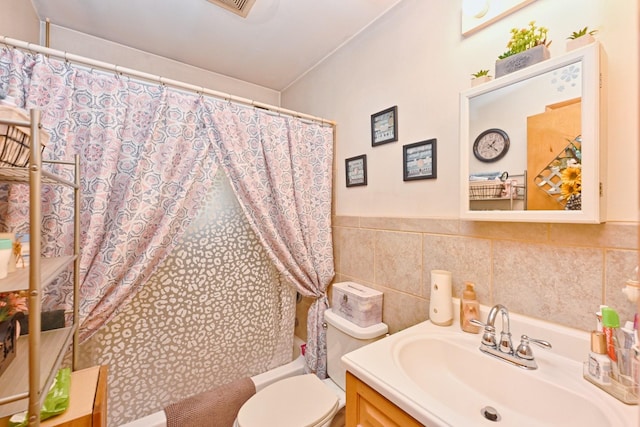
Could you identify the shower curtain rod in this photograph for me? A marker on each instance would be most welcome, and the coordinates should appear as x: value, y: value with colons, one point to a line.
x: 92, y: 63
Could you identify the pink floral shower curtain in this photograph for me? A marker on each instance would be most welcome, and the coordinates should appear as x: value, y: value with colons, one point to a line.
x: 146, y: 167
x: 281, y: 171
x: 149, y: 154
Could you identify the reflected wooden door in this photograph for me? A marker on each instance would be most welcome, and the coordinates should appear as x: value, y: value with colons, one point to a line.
x: 548, y: 134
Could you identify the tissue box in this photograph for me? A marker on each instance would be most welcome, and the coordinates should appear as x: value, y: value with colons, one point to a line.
x: 357, y: 303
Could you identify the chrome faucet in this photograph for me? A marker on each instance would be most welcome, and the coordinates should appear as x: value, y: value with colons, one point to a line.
x: 522, y: 356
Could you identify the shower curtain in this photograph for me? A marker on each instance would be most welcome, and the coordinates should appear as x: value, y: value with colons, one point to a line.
x: 149, y: 154
x: 216, y: 310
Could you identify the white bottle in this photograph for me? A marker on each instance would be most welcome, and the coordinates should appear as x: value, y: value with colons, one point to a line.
x: 440, y: 300
x: 599, y: 362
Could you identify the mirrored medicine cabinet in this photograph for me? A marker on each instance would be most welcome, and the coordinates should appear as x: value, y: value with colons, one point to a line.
x: 531, y: 145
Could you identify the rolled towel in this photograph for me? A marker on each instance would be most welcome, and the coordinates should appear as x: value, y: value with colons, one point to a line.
x: 214, y: 408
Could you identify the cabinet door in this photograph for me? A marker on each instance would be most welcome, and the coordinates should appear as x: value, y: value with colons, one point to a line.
x: 368, y: 408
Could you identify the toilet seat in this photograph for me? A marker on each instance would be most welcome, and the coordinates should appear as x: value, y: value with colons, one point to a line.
x: 303, y: 400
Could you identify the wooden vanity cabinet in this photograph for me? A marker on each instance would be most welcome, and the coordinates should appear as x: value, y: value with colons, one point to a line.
x: 368, y: 408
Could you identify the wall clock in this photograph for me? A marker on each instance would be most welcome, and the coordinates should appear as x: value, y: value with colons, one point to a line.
x: 491, y: 145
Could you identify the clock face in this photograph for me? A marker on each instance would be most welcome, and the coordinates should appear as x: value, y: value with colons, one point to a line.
x: 491, y: 145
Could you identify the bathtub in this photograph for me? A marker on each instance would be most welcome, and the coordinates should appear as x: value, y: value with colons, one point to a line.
x: 295, y: 367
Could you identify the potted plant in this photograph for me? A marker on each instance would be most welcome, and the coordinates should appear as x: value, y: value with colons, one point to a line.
x: 527, y: 46
x: 580, y: 38
x: 480, y: 77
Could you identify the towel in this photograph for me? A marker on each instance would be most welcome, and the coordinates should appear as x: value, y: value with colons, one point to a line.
x: 214, y: 408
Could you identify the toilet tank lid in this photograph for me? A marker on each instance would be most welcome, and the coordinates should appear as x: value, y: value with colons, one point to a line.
x: 370, y: 332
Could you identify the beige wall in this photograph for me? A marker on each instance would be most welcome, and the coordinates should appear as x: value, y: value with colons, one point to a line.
x: 391, y: 233
x: 22, y: 23
x: 552, y: 272
x: 416, y: 58
x: 124, y: 56
x: 559, y: 273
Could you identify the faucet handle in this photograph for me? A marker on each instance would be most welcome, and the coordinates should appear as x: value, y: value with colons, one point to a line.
x: 489, y: 334
x: 524, y: 349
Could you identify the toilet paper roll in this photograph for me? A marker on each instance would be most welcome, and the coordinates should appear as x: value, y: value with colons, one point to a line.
x: 441, y: 299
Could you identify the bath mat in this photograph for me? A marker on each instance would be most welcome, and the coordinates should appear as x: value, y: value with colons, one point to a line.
x: 218, y: 407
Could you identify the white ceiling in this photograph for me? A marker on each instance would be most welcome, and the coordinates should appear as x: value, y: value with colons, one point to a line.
x: 276, y: 44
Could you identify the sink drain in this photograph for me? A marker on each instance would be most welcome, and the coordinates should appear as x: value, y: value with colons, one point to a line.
x: 490, y: 413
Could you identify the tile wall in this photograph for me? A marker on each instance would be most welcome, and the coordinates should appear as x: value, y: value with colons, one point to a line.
x: 556, y: 272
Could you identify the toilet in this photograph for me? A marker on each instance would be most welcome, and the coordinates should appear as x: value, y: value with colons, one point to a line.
x: 306, y: 400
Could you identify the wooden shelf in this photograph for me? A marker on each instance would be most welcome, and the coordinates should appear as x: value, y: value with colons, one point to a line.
x: 50, y: 268
x: 87, y: 402
x: 14, y: 382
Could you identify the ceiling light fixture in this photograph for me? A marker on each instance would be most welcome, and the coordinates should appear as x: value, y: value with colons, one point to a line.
x: 239, y: 7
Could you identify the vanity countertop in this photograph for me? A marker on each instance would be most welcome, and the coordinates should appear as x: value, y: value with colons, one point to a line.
x: 439, y: 376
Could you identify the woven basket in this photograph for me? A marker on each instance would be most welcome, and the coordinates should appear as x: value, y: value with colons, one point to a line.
x: 485, y: 190
x: 15, y: 141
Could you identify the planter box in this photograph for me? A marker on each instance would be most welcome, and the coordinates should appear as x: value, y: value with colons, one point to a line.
x: 479, y: 80
x: 580, y: 42
x: 522, y: 60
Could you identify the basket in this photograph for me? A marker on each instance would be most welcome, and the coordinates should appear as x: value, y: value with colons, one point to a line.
x: 15, y: 141
x: 485, y: 190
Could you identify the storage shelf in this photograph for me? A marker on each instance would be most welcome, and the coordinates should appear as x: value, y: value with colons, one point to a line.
x: 50, y: 268
x: 26, y: 381
x: 21, y: 176
x: 14, y: 382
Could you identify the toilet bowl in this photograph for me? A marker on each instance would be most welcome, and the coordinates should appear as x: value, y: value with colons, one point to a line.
x: 306, y: 400
x: 302, y: 400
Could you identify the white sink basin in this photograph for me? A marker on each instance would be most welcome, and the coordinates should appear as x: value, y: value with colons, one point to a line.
x: 439, y: 376
x: 468, y: 380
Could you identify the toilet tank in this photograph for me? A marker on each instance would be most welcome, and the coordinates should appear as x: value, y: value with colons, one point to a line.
x: 343, y: 337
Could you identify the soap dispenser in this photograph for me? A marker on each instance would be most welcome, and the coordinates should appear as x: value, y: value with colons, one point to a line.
x: 469, y: 309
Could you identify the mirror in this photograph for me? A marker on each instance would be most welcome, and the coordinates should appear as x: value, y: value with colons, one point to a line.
x: 530, y: 143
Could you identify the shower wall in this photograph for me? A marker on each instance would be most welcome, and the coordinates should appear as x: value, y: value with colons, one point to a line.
x: 215, y: 311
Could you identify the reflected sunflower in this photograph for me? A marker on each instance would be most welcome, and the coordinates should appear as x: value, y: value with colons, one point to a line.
x: 571, y: 186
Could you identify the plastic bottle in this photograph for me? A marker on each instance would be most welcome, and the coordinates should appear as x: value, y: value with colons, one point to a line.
x: 469, y: 309
x: 599, y: 362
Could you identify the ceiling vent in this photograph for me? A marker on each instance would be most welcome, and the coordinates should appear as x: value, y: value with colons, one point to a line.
x: 239, y: 7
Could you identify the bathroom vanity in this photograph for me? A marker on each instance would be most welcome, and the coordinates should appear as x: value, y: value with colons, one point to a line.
x: 367, y: 407
x: 437, y: 376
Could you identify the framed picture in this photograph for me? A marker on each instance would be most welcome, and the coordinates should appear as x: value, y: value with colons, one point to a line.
x: 419, y: 160
x: 356, y: 168
x: 384, y: 126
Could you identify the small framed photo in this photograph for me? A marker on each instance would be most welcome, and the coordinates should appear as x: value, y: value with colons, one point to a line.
x: 356, y: 168
x: 384, y: 126
x: 419, y: 160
